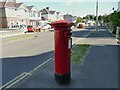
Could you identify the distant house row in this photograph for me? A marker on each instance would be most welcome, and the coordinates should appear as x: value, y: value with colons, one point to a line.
x: 16, y: 14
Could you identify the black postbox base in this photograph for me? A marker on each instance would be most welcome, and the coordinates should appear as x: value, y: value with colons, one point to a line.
x: 62, y: 79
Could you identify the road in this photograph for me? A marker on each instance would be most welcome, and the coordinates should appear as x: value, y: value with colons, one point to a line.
x: 25, y: 52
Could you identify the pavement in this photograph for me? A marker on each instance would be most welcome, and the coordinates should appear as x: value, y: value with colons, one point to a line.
x: 103, y: 37
x: 99, y: 69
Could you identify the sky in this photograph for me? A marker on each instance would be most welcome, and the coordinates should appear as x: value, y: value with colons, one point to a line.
x: 75, y: 7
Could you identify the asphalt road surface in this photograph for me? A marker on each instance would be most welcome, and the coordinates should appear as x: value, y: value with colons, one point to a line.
x: 25, y: 52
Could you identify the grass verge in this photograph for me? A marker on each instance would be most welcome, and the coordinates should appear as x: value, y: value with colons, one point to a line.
x: 78, y: 52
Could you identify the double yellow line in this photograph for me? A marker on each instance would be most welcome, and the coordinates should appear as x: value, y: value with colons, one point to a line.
x: 18, y: 38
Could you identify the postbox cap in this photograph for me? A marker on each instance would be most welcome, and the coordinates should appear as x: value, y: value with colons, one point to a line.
x: 61, y: 23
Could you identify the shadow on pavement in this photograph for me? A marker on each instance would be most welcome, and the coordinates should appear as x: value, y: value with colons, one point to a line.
x: 101, y: 33
x: 93, y: 27
x: 99, y: 70
x: 12, y: 67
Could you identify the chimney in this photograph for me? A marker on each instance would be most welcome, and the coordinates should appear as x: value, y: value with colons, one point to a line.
x: 47, y: 8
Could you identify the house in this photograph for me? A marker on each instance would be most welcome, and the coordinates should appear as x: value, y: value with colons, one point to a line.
x: 21, y: 12
x: 68, y: 17
x: 45, y: 14
x: 59, y: 16
x: 50, y: 15
x: 34, y: 16
x: 7, y: 17
x: 14, y: 14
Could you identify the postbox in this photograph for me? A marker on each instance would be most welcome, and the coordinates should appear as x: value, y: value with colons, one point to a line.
x: 63, y: 45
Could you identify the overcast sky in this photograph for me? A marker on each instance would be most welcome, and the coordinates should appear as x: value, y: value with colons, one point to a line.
x: 74, y: 7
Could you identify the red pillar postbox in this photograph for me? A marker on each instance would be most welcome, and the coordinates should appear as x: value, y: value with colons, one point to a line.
x: 63, y: 44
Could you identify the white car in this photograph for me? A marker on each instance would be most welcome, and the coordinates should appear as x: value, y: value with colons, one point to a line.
x: 47, y: 26
x: 25, y: 28
x: 44, y: 25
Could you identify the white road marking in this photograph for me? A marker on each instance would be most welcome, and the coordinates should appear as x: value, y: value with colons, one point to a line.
x: 83, y: 37
x: 15, y: 80
x: 40, y: 65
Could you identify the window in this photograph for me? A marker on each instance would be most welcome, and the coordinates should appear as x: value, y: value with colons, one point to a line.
x: 30, y: 14
x: 38, y: 14
x: 33, y: 13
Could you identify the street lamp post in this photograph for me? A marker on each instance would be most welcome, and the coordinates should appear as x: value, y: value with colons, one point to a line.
x: 97, y: 15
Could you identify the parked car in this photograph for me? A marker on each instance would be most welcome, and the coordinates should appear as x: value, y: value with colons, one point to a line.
x: 25, y: 28
x: 47, y: 26
x: 81, y: 25
x: 44, y: 25
x: 30, y: 28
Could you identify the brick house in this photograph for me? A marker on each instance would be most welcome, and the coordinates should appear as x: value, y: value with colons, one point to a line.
x: 14, y: 14
x: 7, y: 16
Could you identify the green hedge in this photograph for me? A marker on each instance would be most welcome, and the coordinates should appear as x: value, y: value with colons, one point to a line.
x: 114, y: 19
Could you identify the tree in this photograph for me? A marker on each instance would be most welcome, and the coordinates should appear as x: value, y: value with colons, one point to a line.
x: 79, y: 19
x: 114, y: 19
x: 99, y: 18
x: 94, y: 18
x: 89, y: 17
x: 105, y: 18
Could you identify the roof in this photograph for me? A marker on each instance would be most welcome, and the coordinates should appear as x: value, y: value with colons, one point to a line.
x: 30, y: 7
x: 17, y: 5
x: 58, y: 12
x: 68, y: 15
x: 44, y: 11
x: 10, y: 4
x: 2, y: 4
x: 51, y: 12
x: 7, y: 3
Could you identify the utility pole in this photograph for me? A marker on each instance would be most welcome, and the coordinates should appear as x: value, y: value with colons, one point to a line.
x: 97, y: 15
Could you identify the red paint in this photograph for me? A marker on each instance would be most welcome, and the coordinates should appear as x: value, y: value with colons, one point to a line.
x: 62, y: 35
